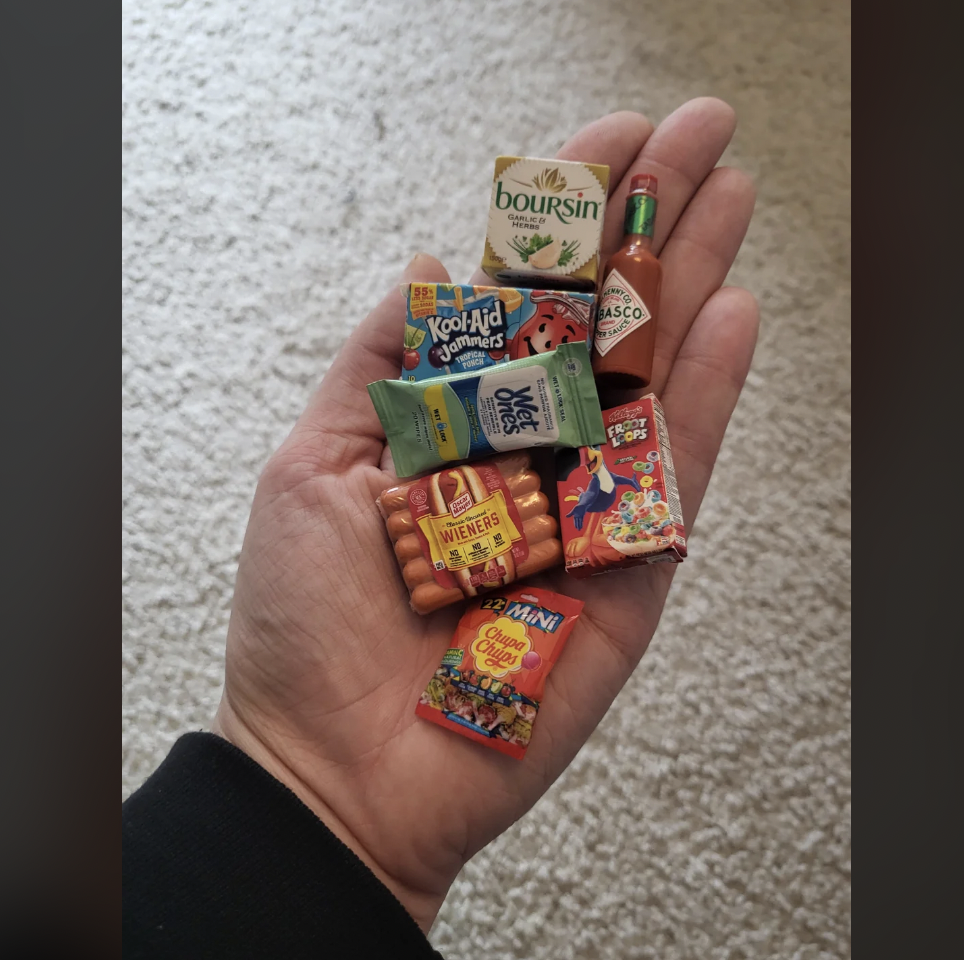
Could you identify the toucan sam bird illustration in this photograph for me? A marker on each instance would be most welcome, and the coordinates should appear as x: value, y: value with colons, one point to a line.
x: 598, y: 498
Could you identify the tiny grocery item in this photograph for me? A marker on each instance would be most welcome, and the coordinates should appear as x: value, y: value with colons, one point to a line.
x: 491, y: 681
x: 629, y: 298
x: 618, y: 501
x: 457, y: 328
x: 544, y: 400
x: 545, y: 223
x: 471, y: 528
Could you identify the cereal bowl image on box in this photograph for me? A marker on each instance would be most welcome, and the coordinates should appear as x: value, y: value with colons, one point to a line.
x: 639, y: 523
x: 618, y: 501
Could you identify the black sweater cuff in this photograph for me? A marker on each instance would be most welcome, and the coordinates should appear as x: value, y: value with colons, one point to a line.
x: 220, y: 859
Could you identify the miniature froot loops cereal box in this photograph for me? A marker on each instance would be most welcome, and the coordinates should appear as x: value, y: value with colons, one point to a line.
x: 491, y: 680
x: 457, y: 328
x: 618, y: 501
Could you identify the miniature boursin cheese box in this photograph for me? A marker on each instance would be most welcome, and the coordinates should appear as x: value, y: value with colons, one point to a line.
x: 457, y: 328
x: 545, y: 223
x: 618, y: 501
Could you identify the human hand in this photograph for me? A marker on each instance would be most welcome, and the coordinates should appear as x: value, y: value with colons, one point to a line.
x: 325, y: 660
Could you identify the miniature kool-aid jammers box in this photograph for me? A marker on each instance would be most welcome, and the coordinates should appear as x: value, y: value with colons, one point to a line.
x: 456, y: 328
x: 618, y: 502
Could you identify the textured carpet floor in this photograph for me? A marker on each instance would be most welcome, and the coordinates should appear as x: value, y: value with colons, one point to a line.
x: 709, y: 815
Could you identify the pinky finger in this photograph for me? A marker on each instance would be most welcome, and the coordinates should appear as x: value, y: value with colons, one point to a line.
x: 704, y: 386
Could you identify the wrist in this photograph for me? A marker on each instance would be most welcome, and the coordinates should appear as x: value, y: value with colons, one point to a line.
x: 421, y: 905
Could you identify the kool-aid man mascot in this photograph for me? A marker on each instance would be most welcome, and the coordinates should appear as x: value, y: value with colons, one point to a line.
x: 558, y: 319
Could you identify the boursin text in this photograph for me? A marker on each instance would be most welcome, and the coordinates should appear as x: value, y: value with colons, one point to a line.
x: 629, y: 431
x: 564, y: 209
x: 481, y: 328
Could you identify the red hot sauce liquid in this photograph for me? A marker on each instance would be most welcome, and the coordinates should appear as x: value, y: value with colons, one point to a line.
x: 622, y: 356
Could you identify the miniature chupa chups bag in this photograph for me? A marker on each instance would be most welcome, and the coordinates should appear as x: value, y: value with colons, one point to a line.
x: 491, y: 681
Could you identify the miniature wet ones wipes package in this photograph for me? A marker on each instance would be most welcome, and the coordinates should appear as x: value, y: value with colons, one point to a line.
x: 618, y: 501
x: 544, y: 400
x: 457, y: 328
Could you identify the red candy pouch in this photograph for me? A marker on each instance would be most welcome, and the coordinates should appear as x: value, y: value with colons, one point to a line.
x: 490, y: 683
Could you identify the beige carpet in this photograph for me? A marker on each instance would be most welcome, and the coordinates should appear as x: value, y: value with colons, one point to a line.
x: 708, y: 818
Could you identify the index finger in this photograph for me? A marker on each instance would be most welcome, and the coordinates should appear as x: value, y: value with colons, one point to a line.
x: 682, y: 151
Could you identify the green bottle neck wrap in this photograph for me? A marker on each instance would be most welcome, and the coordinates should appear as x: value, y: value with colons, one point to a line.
x: 640, y: 215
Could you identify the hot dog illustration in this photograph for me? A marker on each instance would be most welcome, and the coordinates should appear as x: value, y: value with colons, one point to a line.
x: 461, y: 488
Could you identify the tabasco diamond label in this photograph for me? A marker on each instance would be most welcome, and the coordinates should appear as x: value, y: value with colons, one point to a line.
x: 621, y: 311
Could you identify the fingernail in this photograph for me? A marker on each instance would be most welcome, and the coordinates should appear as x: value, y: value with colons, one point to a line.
x: 413, y: 264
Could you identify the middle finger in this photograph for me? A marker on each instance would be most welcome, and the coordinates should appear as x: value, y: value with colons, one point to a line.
x: 682, y: 151
x: 696, y: 259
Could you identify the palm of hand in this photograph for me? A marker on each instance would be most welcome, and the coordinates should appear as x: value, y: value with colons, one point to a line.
x: 326, y: 661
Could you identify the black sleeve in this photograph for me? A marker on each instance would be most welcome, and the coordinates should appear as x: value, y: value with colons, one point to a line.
x: 221, y: 860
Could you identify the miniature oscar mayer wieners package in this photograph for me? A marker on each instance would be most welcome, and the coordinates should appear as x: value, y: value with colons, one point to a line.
x: 545, y: 223
x: 618, y: 501
x: 457, y: 328
x: 470, y: 528
x: 491, y: 681
x: 544, y: 400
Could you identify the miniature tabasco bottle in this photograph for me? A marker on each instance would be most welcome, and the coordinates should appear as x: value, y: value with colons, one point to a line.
x: 622, y: 355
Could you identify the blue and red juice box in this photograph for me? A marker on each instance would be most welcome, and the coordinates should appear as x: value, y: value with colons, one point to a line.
x: 458, y: 328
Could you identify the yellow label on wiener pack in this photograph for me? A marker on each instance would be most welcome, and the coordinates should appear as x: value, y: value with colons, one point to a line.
x: 482, y: 532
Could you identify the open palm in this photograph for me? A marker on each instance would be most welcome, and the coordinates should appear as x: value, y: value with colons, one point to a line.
x: 325, y: 661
